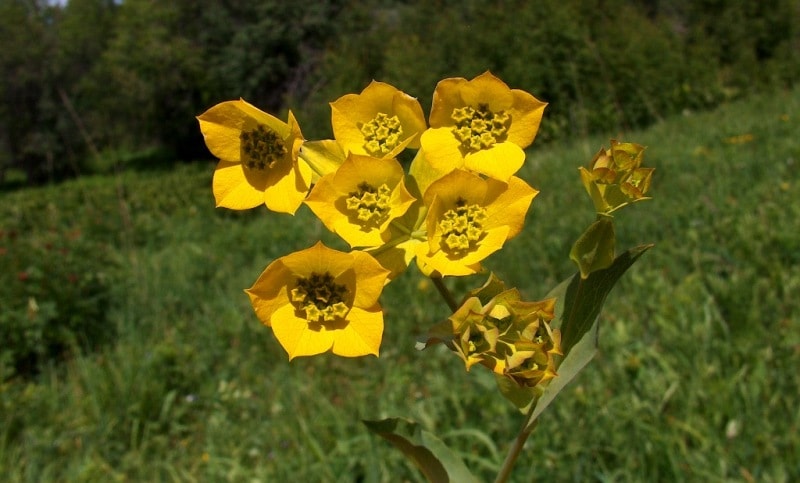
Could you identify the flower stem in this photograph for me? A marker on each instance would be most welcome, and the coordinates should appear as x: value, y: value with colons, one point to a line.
x: 516, y: 447
x: 448, y: 297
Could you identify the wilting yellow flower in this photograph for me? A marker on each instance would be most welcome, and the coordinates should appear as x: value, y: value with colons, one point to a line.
x: 379, y: 122
x: 615, y: 177
x: 494, y: 327
x: 319, y: 299
x: 360, y: 199
x: 468, y: 219
x: 258, y: 158
x: 481, y: 125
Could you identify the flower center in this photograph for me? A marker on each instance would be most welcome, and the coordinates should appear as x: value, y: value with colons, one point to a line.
x: 462, y: 227
x: 320, y: 298
x: 381, y: 135
x: 370, y: 205
x: 262, y: 148
x: 480, y: 128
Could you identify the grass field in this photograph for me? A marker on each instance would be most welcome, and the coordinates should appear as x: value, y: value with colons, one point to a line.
x: 696, y: 379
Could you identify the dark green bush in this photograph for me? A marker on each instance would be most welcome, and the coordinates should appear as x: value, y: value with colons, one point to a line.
x: 54, y: 291
x: 603, y: 65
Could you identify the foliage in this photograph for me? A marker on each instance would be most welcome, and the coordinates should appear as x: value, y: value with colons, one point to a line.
x: 98, y: 76
x: 54, y: 289
x: 696, y: 375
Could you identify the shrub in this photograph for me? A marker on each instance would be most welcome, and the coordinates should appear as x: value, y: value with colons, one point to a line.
x: 55, y: 295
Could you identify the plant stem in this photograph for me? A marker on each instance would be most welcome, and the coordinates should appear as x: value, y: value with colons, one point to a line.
x: 516, y: 447
x: 448, y: 297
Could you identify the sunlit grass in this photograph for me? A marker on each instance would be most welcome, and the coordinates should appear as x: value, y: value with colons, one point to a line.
x: 696, y: 378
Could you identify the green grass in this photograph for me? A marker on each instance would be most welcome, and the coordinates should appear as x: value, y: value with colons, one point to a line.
x: 696, y: 379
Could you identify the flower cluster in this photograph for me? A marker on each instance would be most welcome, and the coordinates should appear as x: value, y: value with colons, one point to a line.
x: 616, y: 178
x: 458, y: 202
x: 494, y: 327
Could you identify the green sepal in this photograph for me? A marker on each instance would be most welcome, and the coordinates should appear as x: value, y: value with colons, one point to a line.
x: 437, y: 462
x: 578, y: 306
x: 594, y: 249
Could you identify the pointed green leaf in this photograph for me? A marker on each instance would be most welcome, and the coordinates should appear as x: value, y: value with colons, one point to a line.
x: 594, y: 250
x: 578, y: 306
x: 579, y: 301
x: 436, y: 461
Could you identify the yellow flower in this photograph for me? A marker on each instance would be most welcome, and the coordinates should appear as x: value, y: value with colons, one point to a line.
x: 319, y: 299
x: 360, y: 199
x: 379, y: 122
x: 481, y: 125
x: 494, y: 327
x: 615, y: 177
x: 468, y: 219
x: 258, y: 158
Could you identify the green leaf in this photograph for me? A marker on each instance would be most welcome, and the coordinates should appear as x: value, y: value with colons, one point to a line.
x: 594, y: 250
x: 578, y: 306
x: 436, y: 461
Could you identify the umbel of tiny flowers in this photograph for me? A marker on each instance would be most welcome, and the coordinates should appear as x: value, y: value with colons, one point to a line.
x: 258, y: 158
x: 360, y: 199
x: 380, y: 122
x: 480, y: 125
x: 494, y: 327
x: 615, y: 177
x: 468, y: 219
x: 320, y: 299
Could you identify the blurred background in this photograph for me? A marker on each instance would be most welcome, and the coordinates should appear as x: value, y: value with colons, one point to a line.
x: 128, y: 351
x: 87, y: 84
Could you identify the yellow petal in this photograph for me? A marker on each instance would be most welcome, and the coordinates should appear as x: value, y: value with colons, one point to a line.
x: 422, y: 174
x: 351, y: 108
x: 236, y: 189
x: 500, y: 161
x: 456, y: 185
x: 371, y: 279
x: 489, y: 90
x: 289, y: 191
x: 446, y: 97
x: 442, y: 150
x: 362, y: 335
x: 320, y: 259
x: 295, y: 335
x: 507, y: 204
x: 409, y: 112
x: 526, y: 116
x: 269, y: 292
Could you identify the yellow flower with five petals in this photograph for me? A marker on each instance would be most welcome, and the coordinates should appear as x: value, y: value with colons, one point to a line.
x: 258, y: 158
x: 320, y: 299
x: 468, y: 219
x: 380, y: 122
x: 360, y: 199
x: 481, y: 125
